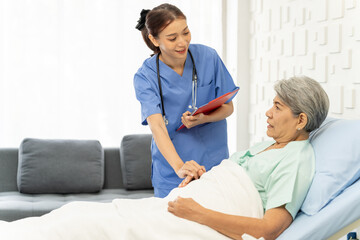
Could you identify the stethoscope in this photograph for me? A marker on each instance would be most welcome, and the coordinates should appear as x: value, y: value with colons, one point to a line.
x: 193, y: 90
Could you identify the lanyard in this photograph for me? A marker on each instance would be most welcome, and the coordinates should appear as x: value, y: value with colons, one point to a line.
x: 193, y: 91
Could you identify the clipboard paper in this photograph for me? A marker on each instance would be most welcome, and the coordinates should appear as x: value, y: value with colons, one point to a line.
x: 212, y: 105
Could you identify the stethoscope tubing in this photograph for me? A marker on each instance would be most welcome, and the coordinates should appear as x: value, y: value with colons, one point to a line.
x: 193, y: 90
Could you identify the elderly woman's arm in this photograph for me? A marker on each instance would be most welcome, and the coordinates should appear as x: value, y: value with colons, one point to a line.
x: 274, y: 222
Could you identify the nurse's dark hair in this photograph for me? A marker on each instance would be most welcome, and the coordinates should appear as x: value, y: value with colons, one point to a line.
x: 155, y: 20
x: 304, y: 95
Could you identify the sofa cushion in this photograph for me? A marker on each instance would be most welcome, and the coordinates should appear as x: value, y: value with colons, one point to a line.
x: 337, y: 153
x: 135, y: 158
x: 15, y: 205
x: 60, y: 166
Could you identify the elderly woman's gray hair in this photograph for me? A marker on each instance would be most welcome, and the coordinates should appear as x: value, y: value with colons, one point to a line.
x: 304, y: 95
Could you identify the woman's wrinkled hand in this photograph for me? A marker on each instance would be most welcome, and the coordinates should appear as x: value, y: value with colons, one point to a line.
x: 188, y: 178
x: 192, y: 121
x: 190, y: 169
x: 185, y: 208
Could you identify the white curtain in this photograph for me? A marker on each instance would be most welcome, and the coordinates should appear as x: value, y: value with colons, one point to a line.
x: 67, y: 66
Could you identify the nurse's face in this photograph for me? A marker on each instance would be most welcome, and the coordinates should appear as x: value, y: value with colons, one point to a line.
x: 174, y: 40
x: 282, y: 124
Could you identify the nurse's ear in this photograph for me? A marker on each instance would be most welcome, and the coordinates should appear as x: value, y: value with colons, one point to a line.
x: 153, y: 40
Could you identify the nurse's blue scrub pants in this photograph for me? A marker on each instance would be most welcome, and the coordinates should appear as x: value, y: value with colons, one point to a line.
x: 161, y: 192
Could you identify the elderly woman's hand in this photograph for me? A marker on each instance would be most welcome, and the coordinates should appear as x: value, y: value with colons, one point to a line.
x: 186, y: 208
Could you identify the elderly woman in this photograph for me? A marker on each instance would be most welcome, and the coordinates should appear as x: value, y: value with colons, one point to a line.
x: 281, y: 169
x: 258, y: 191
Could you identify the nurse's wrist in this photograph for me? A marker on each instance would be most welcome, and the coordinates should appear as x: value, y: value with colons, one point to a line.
x: 178, y: 166
x: 206, y: 118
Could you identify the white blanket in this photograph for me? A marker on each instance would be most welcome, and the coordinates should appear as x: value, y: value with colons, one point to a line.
x: 226, y: 188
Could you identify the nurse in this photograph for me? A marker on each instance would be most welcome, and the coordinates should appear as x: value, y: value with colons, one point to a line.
x: 187, y: 73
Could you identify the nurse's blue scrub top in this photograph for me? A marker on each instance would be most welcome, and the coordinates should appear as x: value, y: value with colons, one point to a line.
x: 205, y: 143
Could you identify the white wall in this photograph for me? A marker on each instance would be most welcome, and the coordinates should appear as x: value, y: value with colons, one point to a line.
x: 67, y: 66
x: 236, y: 57
x: 317, y: 38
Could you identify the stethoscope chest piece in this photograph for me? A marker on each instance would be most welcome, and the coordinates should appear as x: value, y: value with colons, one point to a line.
x: 193, y: 91
x: 165, y: 120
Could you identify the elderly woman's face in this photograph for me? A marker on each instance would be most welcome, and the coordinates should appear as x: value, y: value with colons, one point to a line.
x: 282, y: 122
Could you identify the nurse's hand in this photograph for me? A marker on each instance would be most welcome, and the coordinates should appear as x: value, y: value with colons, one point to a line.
x: 191, y: 169
x: 188, y: 179
x: 192, y: 121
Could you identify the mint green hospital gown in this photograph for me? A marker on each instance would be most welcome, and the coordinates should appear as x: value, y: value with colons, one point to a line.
x: 281, y: 176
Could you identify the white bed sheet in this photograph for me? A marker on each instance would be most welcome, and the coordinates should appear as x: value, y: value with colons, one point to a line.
x: 227, y: 188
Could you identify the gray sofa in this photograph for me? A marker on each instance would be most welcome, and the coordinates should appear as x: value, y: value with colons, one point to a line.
x: 30, y: 180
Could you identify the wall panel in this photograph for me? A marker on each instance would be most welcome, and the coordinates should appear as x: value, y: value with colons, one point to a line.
x: 317, y: 38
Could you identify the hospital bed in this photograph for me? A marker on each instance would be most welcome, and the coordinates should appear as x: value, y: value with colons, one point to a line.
x: 338, y: 218
x: 332, y: 206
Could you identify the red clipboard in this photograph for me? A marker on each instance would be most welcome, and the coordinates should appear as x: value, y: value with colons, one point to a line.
x: 212, y: 105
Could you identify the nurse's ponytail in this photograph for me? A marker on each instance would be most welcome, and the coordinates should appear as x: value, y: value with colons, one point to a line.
x: 141, y: 26
x: 155, y: 20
